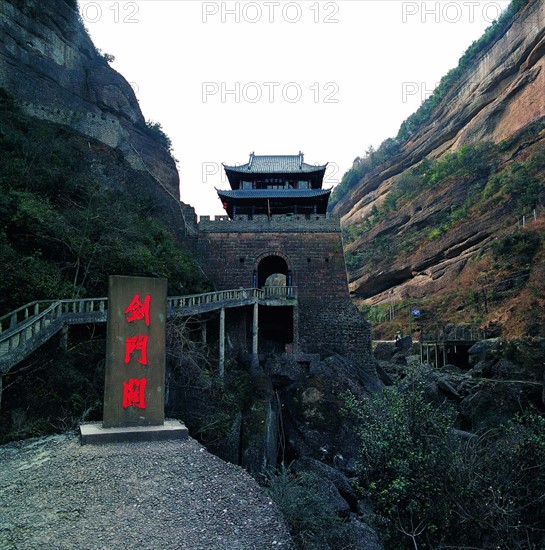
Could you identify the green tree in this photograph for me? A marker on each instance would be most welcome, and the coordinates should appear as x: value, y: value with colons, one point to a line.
x: 434, y: 487
x: 404, y: 461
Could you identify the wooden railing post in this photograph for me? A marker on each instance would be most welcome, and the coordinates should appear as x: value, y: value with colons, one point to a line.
x: 222, y: 343
x: 255, y: 335
x: 64, y: 338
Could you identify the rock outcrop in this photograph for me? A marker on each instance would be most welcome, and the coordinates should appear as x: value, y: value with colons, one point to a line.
x: 50, y: 66
x: 496, y: 98
x: 493, y: 391
x: 501, y: 93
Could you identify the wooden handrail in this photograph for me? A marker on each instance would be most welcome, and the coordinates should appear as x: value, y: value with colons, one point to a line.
x: 32, y: 319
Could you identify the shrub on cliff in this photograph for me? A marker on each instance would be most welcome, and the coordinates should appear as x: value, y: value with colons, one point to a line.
x: 156, y: 132
x: 69, y: 221
x: 405, y: 462
x: 434, y: 488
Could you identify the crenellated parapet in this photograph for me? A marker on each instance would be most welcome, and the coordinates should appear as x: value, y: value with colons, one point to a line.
x: 283, y: 223
x: 95, y: 124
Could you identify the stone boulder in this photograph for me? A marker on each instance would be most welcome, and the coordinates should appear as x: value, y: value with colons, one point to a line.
x: 502, y: 369
x: 491, y: 403
x: 332, y: 474
x: 360, y: 536
x: 399, y: 358
x: 384, y: 351
x: 310, y: 391
x: 482, y: 369
x: 439, y: 387
x: 485, y: 350
x: 335, y: 486
x: 404, y: 345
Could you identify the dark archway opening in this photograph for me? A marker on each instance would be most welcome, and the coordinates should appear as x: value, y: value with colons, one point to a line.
x: 459, y: 356
x: 270, y: 271
x: 275, y: 328
x: 275, y: 322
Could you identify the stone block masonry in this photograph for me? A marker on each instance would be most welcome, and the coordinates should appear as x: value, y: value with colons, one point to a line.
x: 231, y: 251
x: 287, y: 223
x: 315, y: 260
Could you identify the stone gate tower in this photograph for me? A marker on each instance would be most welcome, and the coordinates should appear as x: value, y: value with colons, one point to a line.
x: 277, y: 235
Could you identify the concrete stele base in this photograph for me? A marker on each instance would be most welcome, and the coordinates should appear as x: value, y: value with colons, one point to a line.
x: 96, y: 434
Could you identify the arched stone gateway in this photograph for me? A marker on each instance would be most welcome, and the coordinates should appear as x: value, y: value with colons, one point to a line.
x: 273, y: 270
x: 276, y: 324
x: 278, y: 236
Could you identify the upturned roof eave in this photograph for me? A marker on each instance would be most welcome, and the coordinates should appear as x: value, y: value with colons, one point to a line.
x: 253, y: 194
x: 244, y: 169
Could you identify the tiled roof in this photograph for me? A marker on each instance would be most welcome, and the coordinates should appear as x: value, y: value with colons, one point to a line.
x: 273, y: 193
x: 275, y: 164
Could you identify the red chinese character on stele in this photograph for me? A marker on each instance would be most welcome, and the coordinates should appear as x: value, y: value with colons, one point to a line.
x: 134, y: 393
x: 138, y: 310
x: 137, y: 343
x: 134, y: 389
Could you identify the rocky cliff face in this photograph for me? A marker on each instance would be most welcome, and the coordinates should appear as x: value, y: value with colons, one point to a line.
x: 498, y: 99
x: 50, y: 66
x: 498, y: 95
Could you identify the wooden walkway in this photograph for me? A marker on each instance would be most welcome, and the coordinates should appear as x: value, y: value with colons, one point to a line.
x: 435, y: 346
x: 24, y: 330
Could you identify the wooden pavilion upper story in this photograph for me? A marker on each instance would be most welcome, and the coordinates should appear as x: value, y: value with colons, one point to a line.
x: 275, y: 184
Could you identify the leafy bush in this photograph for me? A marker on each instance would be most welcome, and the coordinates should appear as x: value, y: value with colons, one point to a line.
x: 362, y: 166
x: 65, y: 229
x: 156, y: 132
x: 433, y: 488
x: 502, y: 473
x: 312, y: 524
x: 516, y: 248
x: 405, y: 460
x: 521, y: 183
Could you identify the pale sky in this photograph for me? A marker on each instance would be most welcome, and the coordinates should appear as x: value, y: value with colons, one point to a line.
x: 278, y: 77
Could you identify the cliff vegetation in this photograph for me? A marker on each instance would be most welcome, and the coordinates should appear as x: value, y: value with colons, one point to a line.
x: 73, y: 212
x: 447, y: 216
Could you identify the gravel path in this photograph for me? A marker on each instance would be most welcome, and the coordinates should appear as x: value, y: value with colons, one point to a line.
x: 55, y: 493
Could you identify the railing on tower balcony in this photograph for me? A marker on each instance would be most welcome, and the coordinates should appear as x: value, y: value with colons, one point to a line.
x: 274, y: 210
x: 233, y: 296
x: 280, y: 292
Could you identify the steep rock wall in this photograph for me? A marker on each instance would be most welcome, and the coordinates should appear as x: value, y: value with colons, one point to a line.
x: 50, y: 66
x: 496, y: 98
